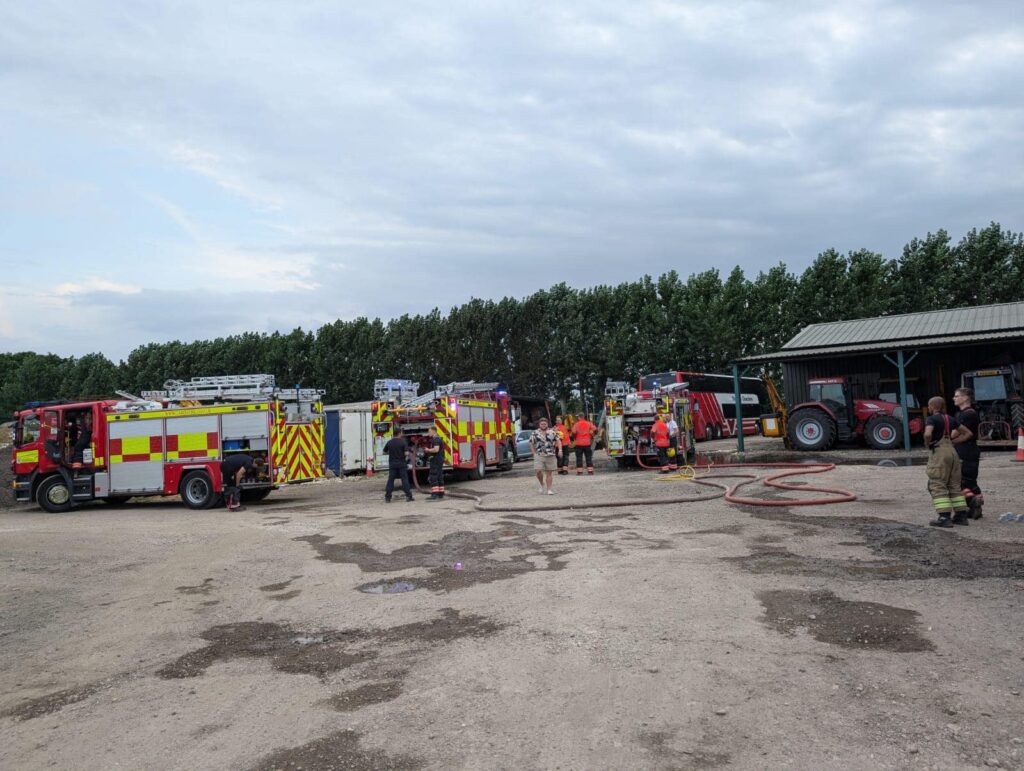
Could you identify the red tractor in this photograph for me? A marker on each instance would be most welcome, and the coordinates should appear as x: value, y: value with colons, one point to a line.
x: 833, y: 414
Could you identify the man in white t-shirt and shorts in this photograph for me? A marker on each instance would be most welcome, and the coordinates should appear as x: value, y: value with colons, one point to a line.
x: 547, y: 449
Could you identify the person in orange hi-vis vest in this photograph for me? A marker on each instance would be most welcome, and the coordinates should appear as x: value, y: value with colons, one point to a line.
x: 660, y: 437
x: 583, y: 436
x: 563, y: 435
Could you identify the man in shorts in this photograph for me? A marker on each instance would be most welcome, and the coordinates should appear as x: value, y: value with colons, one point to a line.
x: 547, y: 449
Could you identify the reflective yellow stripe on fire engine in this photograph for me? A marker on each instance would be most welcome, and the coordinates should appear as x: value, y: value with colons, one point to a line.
x: 476, y: 403
x: 27, y: 456
x: 184, y: 413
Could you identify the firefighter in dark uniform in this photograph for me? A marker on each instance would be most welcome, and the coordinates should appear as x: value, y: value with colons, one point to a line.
x: 435, y: 449
x: 233, y: 468
x: 944, y: 466
x: 398, y: 465
x: 966, y: 445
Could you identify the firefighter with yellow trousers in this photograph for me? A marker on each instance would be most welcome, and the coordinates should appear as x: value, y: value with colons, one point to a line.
x: 944, y: 471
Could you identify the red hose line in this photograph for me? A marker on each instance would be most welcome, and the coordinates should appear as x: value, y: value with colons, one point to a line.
x: 838, y: 494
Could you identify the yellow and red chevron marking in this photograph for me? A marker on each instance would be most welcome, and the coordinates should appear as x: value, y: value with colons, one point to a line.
x: 134, y: 449
x: 613, y: 407
x: 204, y: 444
x: 444, y: 430
x: 299, y: 451
x: 382, y: 412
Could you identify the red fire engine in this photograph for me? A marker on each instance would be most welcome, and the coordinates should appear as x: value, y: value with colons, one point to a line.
x: 171, y: 443
x: 630, y: 414
x: 473, y: 420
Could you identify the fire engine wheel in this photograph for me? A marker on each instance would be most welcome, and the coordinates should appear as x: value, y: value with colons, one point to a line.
x: 812, y: 429
x: 197, y: 490
x: 883, y: 432
x: 53, y: 495
x: 480, y: 467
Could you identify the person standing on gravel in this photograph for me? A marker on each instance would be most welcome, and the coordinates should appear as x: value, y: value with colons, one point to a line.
x: 435, y: 449
x: 966, y: 444
x: 547, y: 449
x: 943, y: 468
x: 398, y: 465
x: 582, y: 435
x: 563, y: 437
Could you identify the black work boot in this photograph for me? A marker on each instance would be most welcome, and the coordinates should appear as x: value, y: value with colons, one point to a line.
x: 975, y: 508
x: 433, y: 497
x: 961, y: 518
x: 942, y: 521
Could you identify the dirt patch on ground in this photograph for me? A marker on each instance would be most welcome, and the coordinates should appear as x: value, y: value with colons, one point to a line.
x: 907, y: 552
x: 340, y: 750
x: 319, y: 653
x: 848, y: 624
x: 52, y: 702
x: 371, y: 693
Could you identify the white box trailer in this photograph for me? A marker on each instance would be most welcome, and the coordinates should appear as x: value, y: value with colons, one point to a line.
x: 355, y: 435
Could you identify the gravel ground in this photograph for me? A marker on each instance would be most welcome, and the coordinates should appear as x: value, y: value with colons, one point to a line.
x: 325, y: 629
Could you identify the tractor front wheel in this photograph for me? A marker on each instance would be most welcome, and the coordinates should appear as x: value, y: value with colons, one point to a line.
x: 812, y: 429
x: 883, y: 432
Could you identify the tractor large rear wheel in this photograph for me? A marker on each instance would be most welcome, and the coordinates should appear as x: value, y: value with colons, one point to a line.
x: 812, y: 429
x: 1016, y: 417
x: 883, y: 432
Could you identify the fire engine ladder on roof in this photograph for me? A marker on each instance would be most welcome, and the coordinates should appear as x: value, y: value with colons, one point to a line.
x: 464, y: 387
x: 395, y: 389
x: 240, y: 388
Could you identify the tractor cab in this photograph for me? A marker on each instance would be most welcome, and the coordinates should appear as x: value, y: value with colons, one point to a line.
x: 834, y: 393
x: 998, y: 397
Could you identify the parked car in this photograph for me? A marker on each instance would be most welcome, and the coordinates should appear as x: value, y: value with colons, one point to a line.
x: 523, y: 449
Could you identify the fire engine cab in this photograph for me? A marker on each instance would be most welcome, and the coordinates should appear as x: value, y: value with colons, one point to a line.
x: 168, y: 442
x: 473, y: 420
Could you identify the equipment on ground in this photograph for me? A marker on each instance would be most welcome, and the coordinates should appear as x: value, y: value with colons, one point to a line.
x: 628, y: 418
x: 170, y: 446
x: 998, y: 396
x: 832, y: 414
x: 473, y: 420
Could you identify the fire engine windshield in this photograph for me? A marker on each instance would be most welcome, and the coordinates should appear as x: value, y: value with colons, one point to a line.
x: 650, y: 382
x: 989, y: 388
x: 27, y: 430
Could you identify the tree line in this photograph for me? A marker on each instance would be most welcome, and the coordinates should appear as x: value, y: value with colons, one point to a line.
x: 562, y: 342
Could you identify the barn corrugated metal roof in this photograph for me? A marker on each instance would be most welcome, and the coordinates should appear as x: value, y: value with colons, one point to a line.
x: 946, y: 327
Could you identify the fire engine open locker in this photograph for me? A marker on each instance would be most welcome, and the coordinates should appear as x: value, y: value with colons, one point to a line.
x: 170, y: 442
x: 473, y: 420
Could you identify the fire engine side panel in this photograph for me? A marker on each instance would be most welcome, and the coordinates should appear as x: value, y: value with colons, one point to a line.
x: 193, y: 438
x: 245, y: 425
x: 136, y: 455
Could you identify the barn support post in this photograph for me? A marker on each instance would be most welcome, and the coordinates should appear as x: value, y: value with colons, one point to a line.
x: 901, y: 365
x: 736, y: 374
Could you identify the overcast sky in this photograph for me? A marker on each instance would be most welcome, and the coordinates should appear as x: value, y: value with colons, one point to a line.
x: 188, y: 170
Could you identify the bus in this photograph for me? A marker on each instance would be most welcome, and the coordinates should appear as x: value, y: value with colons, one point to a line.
x: 714, y: 401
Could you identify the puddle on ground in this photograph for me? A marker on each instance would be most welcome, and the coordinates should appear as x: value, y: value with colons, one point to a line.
x: 905, y: 552
x: 846, y: 623
x: 280, y: 586
x: 204, y: 588
x: 388, y: 587
x: 320, y: 653
x: 336, y: 751
x: 365, y: 695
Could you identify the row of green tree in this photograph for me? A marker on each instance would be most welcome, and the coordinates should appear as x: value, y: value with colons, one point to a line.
x: 562, y: 341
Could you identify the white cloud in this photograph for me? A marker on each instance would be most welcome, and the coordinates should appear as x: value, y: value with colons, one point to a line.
x: 94, y: 284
